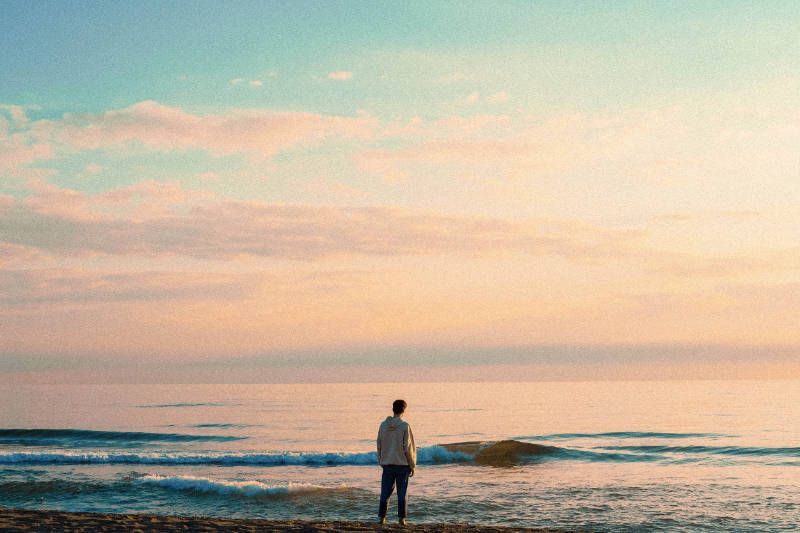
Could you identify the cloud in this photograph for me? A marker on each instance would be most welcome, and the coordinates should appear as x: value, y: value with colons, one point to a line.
x: 153, y: 219
x: 498, y: 98
x: 241, y: 81
x: 488, y: 146
x: 741, y: 215
x: 340, y: 75
x: 141, y: 201
x: 208, y: 176
x: 34, y: 287
x: 684, y: 265
x: 19, y: 149
x: 730, y: 151
x: 257, y: 133
x: 13, y: 254
x: 93, y: 168
x: 678, y: 145
x: 19, y: 117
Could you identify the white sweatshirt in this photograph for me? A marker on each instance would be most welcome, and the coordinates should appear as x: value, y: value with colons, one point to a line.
x: 396, y: 443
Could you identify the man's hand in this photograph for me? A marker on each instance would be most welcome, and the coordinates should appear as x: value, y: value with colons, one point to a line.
x: 412, y: 473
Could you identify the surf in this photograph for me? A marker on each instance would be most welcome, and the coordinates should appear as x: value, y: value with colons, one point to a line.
x: 502, y: 453
x: 427, y: 455
x: 250, y: 488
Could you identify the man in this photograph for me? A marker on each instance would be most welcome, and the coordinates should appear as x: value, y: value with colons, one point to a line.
x: 397, y: 455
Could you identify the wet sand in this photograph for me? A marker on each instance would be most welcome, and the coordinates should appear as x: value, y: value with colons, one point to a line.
x: 27, y: 520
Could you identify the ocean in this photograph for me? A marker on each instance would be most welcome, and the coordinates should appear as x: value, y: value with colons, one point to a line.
x: 611, y: 456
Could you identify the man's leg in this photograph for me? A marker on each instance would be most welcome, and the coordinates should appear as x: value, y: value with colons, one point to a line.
x: 387, y: 486
x: 402, y: 486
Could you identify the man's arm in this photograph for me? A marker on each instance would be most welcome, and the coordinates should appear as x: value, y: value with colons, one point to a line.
x: 379, y: 445
x: 411, y: 449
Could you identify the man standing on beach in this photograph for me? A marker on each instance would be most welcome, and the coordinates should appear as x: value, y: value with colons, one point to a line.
x: 397, y: 455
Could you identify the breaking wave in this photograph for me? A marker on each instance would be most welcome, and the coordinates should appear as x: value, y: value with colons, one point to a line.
x: 502, y: 453
x: 429, y: 455
x: 35, y: 488
x: 252, y: 489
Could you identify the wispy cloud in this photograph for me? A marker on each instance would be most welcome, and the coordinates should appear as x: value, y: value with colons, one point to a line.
x: 163, y: 220
x: 258, y: 133
x: 20, y: 148
x: 155, y: 219
x: 17, y: 255
x: 727, y: 266
x: 36, y: 287
x: 340, y: 75
x: 93, y: 168
x: 498, y: 98
x: 473, y: 97
x: 17, y: 113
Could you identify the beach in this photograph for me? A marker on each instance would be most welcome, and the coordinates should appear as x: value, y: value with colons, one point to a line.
x: 32, y: 520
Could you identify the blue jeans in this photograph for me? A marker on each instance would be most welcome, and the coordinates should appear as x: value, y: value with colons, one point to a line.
x: 394, y: 474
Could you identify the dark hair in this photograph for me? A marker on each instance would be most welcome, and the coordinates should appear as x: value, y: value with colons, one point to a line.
x: 399, y: 406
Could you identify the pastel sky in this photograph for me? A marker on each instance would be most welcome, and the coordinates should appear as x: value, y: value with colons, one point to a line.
x: 255, y: 191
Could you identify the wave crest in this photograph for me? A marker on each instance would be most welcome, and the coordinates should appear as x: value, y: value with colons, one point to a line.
x: 502, y: 453
x: 252, y: 489
x: 427, y: 455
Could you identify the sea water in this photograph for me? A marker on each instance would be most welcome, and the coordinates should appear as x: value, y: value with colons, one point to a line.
x: 619, y: 456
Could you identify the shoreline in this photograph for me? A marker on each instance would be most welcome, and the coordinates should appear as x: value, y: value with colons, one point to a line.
x: 42, y: 520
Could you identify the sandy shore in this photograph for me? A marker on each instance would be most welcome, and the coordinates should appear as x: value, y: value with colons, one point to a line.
x: 25, y: 520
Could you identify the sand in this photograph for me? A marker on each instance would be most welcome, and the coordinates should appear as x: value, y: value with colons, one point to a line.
x: 27, y: 520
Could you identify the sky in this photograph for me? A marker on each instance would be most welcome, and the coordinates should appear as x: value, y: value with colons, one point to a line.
x: 331, y: 191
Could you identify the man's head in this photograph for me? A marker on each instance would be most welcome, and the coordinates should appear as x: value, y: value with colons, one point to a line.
x: 399, y: 407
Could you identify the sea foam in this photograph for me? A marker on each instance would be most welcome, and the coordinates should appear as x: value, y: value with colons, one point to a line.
x: 236, y: 488
x: 427, y: 455
x: 489, y: 453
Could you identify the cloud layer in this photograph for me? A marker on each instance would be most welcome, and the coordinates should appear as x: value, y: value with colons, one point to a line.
x: 153, y: 219
x: 257, y: 133
x: 253, y: 230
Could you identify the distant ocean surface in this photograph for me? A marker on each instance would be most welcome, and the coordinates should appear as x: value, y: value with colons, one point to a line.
x: 616, y: 456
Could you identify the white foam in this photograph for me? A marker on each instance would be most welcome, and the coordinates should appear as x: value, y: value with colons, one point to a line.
x: 440, y: 455
x: 215, y: 486
x: 427, y: 455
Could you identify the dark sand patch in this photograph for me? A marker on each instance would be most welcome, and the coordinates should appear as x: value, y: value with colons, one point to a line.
x: 14, y: 520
